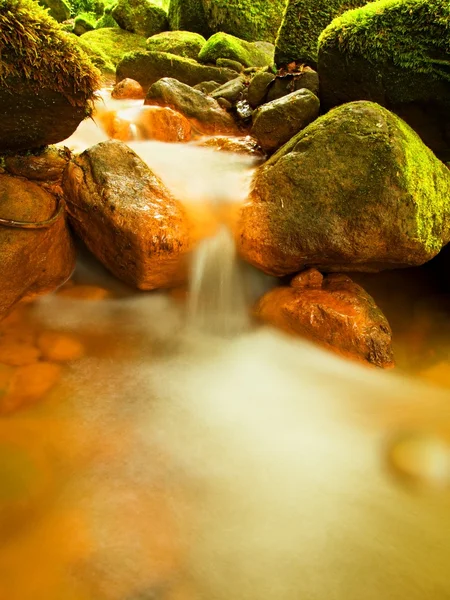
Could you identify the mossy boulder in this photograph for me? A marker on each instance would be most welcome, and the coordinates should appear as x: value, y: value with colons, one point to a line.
x: 58, y: 9
x: 47, y: 84
x: 84, y: 23
x: 181, y: 43
x: 251, y: 20
x: 302, y: 24
x: 106, y: 20
x: 396, y: 53
x: 140, y: 16
x: 357, y: 190
x: 107, y: 46
x: 188, y: 16
x: 148, y: 67
x: 223, y: 45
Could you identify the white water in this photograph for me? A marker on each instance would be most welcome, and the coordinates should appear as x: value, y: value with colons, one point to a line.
x: 272, y: 452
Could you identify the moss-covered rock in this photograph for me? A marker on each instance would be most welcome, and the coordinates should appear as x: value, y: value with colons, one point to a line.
x: 148, y: 67
x: 223, y: 45
x: 250, y: 20
x: 188, y: 16
x: 140, y: 16
x: 106, y: 20
x: 83, y: 23
x: 182, y: 43
x: 396, y: 53
x: 47, y: 83
x: 303, y: 22
x: 357, y: 190
x: 107, y: 46
x: 58, y: 9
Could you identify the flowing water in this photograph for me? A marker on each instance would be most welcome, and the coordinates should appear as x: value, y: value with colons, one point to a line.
x: 190, y: 455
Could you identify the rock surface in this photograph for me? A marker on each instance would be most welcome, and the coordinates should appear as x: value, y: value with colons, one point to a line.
x: 223, y: 45
x: 47, y: 165
x: 107, y: 46
x: 231, y: 91
x: 128, y: 89
x: 258, y: 88
x: 274, y: 123
x: 395, y: 54
x: 282, y: 85
x: 334, y: 312
x: 204, y: 112
x: 149, y: 67
x: 58, y: 9
x: 181, y: 43
x: 140, y: 16
x: 34, y: 261
x: 127, y: 217
x: 357, y: 190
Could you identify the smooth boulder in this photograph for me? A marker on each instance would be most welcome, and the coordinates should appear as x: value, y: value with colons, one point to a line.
x: 37, y: 254
x: 357, y: 190
x: 276, y: 122
x: 127, y: 217
x: 334, y: 312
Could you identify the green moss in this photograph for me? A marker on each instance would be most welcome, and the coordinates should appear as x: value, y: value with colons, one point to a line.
x: 251, y: 20
x: 34, y: 47
x: 106, y: 20
x: 188, y: 16
x: 224, y: 45
x: 107, y: 46
x: 58, y: 9
x: 182, y: 43
x: 88, y: 6
x: 303, y: 21
x: 411, y: 34
x: 84, y: 22
x: 140, y: 16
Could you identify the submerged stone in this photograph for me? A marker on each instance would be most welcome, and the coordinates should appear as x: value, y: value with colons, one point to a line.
x: 127, y: 217
x: 356, y: 190
x: 334, y: 312
x: 223, y: 45
x: 149, y: 67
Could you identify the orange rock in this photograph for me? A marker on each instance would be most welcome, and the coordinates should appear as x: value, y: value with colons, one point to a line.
x: 127, y: 217
x: 128, y: 89
x: 339, y: 315
x: 29, y: 384
x: 84, y: 292
x: 34, y: 261
x: 59, y: 347
x: 239, y: 145
x: 16, y: 354
x: 47, y: 165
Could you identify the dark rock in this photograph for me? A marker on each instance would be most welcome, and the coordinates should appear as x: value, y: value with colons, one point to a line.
x: 206, y: 86
x: 291, y: 82
x: 276, y: 122
x: 258, y: 88
x: 357, y: 190
x: 227, y: 63
x: 231, y: 91
x: 189, y: 16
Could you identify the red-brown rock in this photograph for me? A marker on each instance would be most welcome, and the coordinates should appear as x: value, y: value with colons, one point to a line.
x: 128, y: 89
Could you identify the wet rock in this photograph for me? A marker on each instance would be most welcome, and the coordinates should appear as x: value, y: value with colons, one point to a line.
x: 45, y: 91
x: 224, y: 103
x: 34, y: 261
x: 140, y: 16
x: 128, y: 89
x: 127, y: 217
x: 206, y: 86
x: 238, y: 145
x: 181, y: 43
x: 258, y: 88
x: 396, y: 56
x: 276, y: 122
x: 203, y: 111
x: 223, y: 45
x: 46, y: 165
x: 149, y: 67
x: 231, y: 91
x: 303, y: 22
x: 334, y: 312
x: 357, y: 190
x: 145, y: 123
x: 282, y: 85
x: 244, y: 111
x: 230, y: 64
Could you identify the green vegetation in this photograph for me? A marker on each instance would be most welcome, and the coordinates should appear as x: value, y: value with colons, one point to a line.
x: 411, y: 34
x: 89, y: 6
x: 182, y: 43
x: 33, y: 47
x: 188, y: 16
x: 140, y: 16
x: 84, y: 22
x: 303, y: 21
x: 224, y: 45
x: 106, y: 20
x: 58, y: 9
x: 107, y: 46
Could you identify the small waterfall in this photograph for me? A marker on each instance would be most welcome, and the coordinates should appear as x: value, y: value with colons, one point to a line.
x: 217, y: 298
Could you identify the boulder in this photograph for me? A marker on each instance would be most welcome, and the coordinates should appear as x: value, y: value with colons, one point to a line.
x: 106, y: 20
x: 223, y: 45
x: 46, y: 85
x: 83, y: 23
x: 149, y: 67
x: 231, y: 91
x: 207, y: 86
x: 204, y: 112
x: 305, y: 78
x: 127, y: 217
x: 140, y: 16
x: 181, y: 43
x: 357, y: 190
x: 108, y: 45
x: 395, y: 54
x: 46, y: 166
x: 227, y: 63
x: 334, y: 312
x: 303, y: 22
x: 274, y: 123
x: 188, y: 16
x: 58, y: 9
x: 259, y: 85
x: 128, y: 89
x: 38, y: 254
